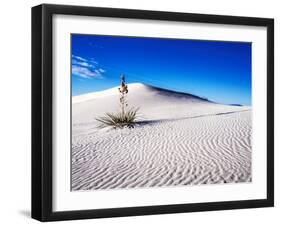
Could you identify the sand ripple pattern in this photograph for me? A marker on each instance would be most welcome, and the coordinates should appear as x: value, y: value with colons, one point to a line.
x: 203, y: 150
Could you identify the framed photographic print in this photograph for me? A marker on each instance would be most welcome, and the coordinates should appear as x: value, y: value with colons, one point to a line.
x: 145, y: 112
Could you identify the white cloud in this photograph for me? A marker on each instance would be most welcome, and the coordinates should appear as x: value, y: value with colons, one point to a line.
x: 86, y: 68
x: 84, y: 72
x: 78, y: 58
x: 83, y: 63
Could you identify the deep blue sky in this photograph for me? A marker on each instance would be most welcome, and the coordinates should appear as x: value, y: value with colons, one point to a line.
x: 219, y: 71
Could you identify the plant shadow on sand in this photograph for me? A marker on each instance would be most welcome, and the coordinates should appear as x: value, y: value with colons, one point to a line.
x: 149, y: 122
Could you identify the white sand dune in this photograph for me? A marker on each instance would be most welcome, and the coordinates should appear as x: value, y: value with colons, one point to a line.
x: 181, y: 139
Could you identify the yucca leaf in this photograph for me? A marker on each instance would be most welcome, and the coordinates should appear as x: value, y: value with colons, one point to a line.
x: 119, y: 120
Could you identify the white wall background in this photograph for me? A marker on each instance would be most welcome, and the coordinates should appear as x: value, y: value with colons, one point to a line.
x: 15, y: 85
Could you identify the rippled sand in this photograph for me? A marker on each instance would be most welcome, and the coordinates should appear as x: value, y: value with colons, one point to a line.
x: 185, y: 141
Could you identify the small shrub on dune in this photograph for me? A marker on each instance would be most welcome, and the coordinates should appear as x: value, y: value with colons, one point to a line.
x: 124, y: 118
x: 119, y: 120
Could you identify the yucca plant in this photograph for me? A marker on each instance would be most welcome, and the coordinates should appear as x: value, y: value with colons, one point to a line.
x: 125, y: 118
x: 119, y: 120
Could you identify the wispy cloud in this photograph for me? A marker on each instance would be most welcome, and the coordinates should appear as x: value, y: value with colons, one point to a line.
x: 84, y: 72
x: 101, y: 70
x: 86, y: 68
x: 78, y: 58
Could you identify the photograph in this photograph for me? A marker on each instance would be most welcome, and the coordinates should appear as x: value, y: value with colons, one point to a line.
x: 157, y: 112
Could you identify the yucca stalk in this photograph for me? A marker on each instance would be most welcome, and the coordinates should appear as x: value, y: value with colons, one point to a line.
x: 123, y: 90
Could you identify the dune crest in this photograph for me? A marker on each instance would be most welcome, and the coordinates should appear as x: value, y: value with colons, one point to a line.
x: 133, y: 87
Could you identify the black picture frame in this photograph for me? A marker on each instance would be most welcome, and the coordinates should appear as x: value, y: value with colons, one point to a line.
x: 42, y: 107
